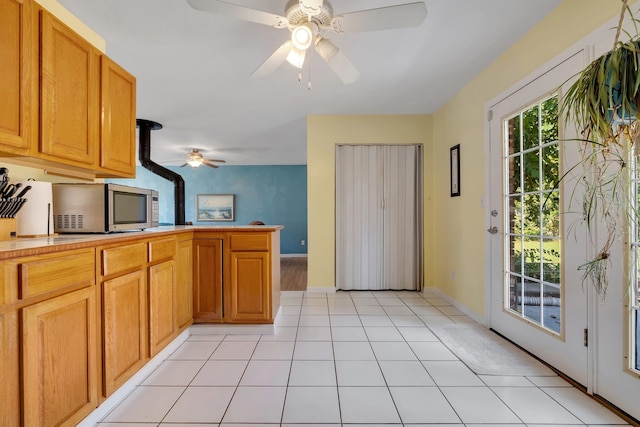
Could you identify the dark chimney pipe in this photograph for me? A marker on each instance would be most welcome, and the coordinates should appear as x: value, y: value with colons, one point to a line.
x: 146, y: 126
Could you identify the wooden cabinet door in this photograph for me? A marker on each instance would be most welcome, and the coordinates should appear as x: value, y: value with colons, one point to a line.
x: 124, y: 325
x: 18, y: 62
x: 250, y: 287
x: 69, y: 89
x: 207, y: 281
x: 59, y: 359
x: 118, y: 127
x: 162, y: 279
x: 9, y: 370
x: 184, y: 283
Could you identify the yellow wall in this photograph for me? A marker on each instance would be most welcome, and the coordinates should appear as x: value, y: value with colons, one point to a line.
x: 455, y: 233
x: 460, y: 232
x: 323, y: 134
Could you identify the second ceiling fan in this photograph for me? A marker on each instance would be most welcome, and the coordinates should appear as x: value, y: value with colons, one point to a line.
x: 196, y: 159
x: 309, y: 21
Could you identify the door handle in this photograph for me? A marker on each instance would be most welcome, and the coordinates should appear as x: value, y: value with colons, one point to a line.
x: 493, y: 230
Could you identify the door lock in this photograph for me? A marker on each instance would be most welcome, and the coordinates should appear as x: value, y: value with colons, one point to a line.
x: 493, y: 230
x: 494, y: 213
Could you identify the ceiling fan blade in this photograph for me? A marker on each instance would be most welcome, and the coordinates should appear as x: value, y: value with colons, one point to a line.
x: 273, y: 61
x: 211, y: 165
x: 216, y: 160
x: 184, y: 165
x: 385, y: 18
x: 337, y: 61
x: 240, y: 12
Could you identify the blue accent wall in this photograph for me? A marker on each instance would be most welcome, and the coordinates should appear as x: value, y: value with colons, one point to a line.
x: 275, y: 195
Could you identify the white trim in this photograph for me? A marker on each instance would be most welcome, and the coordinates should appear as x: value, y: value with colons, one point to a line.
x: 294, y: 255
x: 227, y: 329
x: 485, y: 202
x: 127, y: 388
x: 321, y: 289
x: 463, y: 308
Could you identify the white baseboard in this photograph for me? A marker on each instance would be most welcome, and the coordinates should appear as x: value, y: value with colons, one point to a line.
x: 294, y: 255
x: 321, y: 289
x: 226, y: 329
x: 463, y: 308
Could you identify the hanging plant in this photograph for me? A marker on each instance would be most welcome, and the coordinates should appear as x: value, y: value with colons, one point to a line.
x: 604, y: 104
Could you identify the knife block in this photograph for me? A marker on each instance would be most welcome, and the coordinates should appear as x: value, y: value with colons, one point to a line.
x: 7, y: 229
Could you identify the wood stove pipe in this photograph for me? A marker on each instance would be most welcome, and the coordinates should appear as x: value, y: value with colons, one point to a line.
x: 144, y: 155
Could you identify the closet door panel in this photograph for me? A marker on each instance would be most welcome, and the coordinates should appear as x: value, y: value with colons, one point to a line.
x: 400, y: 237
x: 378, y: 217
x: 359, y: 248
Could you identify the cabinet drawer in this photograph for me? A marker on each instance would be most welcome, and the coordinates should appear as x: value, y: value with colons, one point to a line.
x: 45, y: 274
x: 123, y: 258
x: 250, y: 241
x: 162, y: 249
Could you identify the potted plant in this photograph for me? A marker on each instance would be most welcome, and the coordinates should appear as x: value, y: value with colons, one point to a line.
x: 604, y: 104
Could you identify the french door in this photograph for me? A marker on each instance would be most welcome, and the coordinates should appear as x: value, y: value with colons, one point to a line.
x: 537, y: 299
x: 538, y: 241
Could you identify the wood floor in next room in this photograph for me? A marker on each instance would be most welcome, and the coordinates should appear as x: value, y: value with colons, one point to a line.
x: 293, y: 273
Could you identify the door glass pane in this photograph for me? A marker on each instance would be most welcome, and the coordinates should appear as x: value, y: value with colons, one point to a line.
x: 532, y: 201
x: 530, y: 127
x: 531, y: 166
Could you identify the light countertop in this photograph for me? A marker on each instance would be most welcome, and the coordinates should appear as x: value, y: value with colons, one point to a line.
x: 23, y: 246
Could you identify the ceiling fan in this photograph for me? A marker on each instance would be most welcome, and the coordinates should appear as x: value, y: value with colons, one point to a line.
x: 195, y: 159
x: 309, y: 21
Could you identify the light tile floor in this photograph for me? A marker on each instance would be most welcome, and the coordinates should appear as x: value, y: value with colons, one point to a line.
x: 346, y: 359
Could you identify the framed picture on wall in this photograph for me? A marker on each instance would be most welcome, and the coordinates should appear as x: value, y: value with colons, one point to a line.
x: 454, y: 159
x: 215, y: 207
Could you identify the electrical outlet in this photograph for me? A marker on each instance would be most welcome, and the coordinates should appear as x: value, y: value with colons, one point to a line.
x: 302, y: 242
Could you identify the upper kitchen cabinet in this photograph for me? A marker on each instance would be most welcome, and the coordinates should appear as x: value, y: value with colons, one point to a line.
x: 19, y: 61
x: 118, y: 127
x: 64, y: 107
x: 69, y: 94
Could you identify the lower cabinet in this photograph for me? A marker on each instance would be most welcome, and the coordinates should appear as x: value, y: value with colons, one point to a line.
x: 184, y: 283
x: 59, y: 359
x: 9, y: 385
x: 207, y: 280
x: 235, y: 277
x: 124, y: 326
x: 250, y: 287
x: 162, y: 324
x: 76, y: 324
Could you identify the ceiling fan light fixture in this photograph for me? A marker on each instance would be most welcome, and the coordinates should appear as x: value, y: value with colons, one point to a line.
x: 194, y: 159
x: 296, y: 57
x: 302, y: 35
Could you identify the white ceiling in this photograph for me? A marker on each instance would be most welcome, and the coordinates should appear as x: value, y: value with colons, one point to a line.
x: 193, y: 70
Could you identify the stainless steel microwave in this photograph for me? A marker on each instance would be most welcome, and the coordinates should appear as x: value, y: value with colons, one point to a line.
x: 103, y: 208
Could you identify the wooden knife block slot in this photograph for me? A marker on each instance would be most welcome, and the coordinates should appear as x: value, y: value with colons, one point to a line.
x: 7, y: 229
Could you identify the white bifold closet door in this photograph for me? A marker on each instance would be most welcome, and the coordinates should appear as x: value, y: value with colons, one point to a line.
x: 379, y: 217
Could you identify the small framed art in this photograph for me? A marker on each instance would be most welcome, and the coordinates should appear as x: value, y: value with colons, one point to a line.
x: 454, y: 161
x: 215, y: 207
